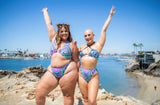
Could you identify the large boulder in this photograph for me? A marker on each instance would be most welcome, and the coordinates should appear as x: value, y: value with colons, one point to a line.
x: 153, y: 69
x: 35, y: 70
x: 4, y: 73
x: 132, y: 67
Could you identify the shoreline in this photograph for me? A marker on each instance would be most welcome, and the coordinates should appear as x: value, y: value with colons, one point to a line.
x: 134, y: 87
x: 12, y: 57
x: 147, y: 84
x: 18, y: 88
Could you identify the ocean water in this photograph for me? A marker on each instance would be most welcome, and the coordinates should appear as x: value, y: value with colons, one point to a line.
x: 114, y: 79
x: 112, y: 75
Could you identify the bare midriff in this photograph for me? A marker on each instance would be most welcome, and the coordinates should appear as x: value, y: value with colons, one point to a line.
x: 58, y: 60
x: 88, y: 62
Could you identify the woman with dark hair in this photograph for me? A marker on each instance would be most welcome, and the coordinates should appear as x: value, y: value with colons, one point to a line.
x: 63, y: 68
x: 89, y: 53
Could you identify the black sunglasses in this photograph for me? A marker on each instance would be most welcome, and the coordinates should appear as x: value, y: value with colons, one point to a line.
x: 63, y: 25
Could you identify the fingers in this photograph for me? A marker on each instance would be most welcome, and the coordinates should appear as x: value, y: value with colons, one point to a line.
x: 44, y: 9
x: 74, y: 42
x: 112, y: 11
x: 113, y: 8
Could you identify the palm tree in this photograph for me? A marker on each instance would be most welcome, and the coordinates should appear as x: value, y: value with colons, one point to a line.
x: 135, y: 47
x: 25, y: 51
x: 140, y: 45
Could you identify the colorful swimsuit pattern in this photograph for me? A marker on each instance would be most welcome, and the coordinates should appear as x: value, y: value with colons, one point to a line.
x: 58, y: 72
x: 65, y: 50
x: 87, y: 73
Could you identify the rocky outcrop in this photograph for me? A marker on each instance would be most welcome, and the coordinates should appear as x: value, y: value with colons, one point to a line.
x: 153, y: 69
x: 8, y: 73
x: 36, y: 70
x: 20, y: 90
x: 131, y: 67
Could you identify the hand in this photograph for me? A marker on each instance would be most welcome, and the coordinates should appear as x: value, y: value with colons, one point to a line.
x: 74, y: 42
x: 44, y: 9
x: 112, y: 11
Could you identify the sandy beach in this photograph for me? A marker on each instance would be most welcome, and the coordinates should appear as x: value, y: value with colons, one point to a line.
x: 149, y: 88
x: 19, y: 89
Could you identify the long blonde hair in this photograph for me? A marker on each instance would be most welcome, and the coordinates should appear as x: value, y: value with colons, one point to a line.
x: 58, y: 38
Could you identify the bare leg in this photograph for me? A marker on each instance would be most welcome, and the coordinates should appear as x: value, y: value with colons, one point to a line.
x: 68, y: 83
x: 93, y: 87
x: 89, y: 89
x: 83, y: 85
x: 47, y: 83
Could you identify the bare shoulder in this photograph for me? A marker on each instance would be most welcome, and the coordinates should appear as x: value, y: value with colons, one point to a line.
x: 81, y: 47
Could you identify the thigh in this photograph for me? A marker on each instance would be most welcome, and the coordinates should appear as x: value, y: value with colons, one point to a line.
x: 68, y: 81
x: 47, y: 83
x: 83, y: 86
x: 93, y: 86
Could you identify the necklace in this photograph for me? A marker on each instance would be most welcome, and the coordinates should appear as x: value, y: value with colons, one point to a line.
x: 88, y: 45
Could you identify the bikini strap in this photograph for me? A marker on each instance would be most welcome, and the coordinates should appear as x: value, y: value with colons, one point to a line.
x: 88, y: 46
x: 84, y: 48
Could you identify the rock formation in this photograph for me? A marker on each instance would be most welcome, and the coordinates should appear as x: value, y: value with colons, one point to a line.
x: 131, y: 67
x: 153, y: 69
x: 18, y: 88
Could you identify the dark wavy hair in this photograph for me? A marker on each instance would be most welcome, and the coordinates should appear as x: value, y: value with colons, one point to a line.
x: 58, y: 38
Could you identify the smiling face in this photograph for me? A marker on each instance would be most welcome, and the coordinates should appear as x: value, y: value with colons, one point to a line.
x: 64, y: 34
x: 89, y: 36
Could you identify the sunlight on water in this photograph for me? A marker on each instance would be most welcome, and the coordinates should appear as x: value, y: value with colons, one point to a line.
x: 112, y: 75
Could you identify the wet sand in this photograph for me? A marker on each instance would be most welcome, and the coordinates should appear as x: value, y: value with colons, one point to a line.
x: 149, y: 88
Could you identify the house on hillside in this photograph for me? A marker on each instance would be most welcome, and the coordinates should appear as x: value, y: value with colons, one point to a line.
x: 145, y: 58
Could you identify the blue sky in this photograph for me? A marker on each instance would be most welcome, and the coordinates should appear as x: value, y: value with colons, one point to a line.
x: 135, y: 21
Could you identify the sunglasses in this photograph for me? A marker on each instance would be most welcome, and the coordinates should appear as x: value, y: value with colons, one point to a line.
x: 63, y: 25
x: 87, y: 35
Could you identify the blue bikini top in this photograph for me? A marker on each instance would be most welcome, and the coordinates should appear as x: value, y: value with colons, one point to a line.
x: 65, y: 50
x: 93, y: 53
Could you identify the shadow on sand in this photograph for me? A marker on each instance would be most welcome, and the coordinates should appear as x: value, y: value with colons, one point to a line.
x: 80, y: 101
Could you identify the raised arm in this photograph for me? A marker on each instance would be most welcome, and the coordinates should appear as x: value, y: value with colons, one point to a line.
x: 102, y: 38
x: 51, y: 31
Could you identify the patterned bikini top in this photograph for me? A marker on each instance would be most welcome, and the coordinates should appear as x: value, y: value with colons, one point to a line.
x: 65, y: 50
x: 93, y: 53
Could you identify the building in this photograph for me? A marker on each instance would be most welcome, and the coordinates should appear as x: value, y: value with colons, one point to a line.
x: 147, y: 57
